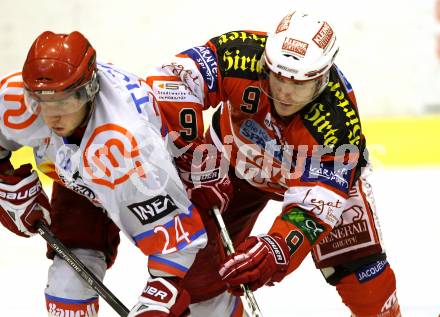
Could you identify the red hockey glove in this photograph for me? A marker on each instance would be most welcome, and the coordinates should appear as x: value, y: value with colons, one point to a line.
x: 162, y: 297
x: 206, y: 179
x: 257, y: 261
x: 22, y: 201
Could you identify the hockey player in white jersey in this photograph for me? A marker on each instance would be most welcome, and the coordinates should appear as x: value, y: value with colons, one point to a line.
x: 96, y: 130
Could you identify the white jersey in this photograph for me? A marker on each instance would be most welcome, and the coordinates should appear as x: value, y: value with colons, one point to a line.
x: 121, y: 164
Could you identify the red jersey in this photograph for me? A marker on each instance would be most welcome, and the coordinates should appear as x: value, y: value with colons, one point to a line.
x: 310, y: 159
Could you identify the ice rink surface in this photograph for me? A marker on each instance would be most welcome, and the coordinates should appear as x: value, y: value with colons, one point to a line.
x: 410, y: 221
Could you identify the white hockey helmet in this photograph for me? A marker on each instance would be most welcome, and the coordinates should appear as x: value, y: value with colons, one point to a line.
x: 302, y: 47
x: 297, y: 61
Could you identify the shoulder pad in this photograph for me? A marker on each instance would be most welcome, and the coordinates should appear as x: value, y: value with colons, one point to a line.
x: 17, y: 122
x: 333, y: 119
x: 239, y: 53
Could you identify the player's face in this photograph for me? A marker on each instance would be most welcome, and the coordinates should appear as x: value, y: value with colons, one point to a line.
x: 290, y: 96
x: 64, y: 116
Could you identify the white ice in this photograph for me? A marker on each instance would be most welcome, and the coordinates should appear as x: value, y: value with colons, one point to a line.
x: 410, y: 220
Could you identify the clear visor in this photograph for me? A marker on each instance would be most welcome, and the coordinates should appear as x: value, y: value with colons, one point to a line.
x: 295, y: 92
x: 52, y: 103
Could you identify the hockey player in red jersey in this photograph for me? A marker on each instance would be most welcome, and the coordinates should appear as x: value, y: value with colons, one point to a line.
x: 289, y: 124
x: 96, y: 130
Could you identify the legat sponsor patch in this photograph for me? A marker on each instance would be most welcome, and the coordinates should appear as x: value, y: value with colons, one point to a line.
x: 153, y: 209
x: 207, y: 62
x: 369, y: 272
x: 326, y: 205
x: 311, y: 228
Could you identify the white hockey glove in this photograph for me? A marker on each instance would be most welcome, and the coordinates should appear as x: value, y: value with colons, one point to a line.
x: 162, y: 297
x: 22, y: 201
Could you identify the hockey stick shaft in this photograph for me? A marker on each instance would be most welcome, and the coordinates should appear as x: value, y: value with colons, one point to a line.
x: 248, y: 294
x: 81, y: 269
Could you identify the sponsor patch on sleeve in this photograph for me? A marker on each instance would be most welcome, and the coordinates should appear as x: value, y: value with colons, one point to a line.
x: 369, y: 272
x: 309, y: 226
x: 153, y: 209
x: 327, y: 173
x: 174, y: 91
x: 207, y: 62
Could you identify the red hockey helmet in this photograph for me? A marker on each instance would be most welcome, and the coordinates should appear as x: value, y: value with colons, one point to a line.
x: 59, y: 66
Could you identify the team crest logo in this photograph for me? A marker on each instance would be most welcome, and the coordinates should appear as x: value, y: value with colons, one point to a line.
x: 16, y: 116
x: 111, y: 156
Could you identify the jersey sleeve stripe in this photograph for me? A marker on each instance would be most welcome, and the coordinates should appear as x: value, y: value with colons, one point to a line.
x: 164, y: 265
x: 70, y: 301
